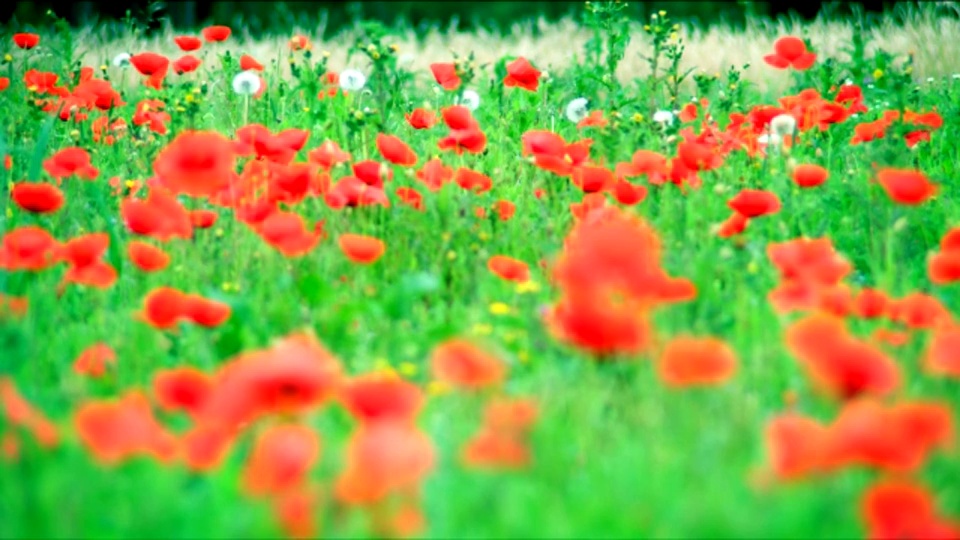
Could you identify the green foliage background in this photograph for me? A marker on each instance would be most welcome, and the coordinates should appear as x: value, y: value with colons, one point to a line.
x: 260, y: 18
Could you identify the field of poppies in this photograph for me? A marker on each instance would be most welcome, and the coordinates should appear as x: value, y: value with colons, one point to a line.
x: 286, y: 296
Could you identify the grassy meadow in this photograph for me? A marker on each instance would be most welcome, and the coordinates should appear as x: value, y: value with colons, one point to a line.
x: 609, y: 278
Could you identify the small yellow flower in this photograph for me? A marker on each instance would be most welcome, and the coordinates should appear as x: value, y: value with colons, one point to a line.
x: 195, y: 90
x: 219, y: 233
x: 325, y: 54
x: 103, y: 67
x: 752, y: 267
x: 394, y: 47
x: 7, y: 58
x: 436, y: 388
x: 483, y: 236
x: 225, y: 286
x: 637, y: 117
x: 451, y: 255
x: 75, y: 134
x: 528, y: 286
x: 877, y: 73
x: 662, y: 13
x: 375, y: 55
x: 306, y: 109
x: 481, y: 329
x: 499, y: 308
x: 523, y: 356
x: 188, y: 98
x: 408, y: 369
x: 180, y: 109
x: 129, y: 184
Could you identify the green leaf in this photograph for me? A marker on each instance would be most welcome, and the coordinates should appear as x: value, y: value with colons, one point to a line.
x: 33, y: 172
x: 313, y: 289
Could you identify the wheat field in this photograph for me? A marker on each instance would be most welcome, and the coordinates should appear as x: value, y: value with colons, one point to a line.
x: 909, y: 30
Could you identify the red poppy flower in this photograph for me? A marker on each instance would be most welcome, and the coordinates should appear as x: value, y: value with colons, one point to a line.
x: 464, y: 365
x: 395, y: 150
x: 93, y: 361
x: 421, y: 119
x: 690, y: 361
x: 508, y: 268
x: 248, y: 63
x: 446, y: 75
x: 188, y: 43
x: 38, y: 198
x: 28, y: 248
x: 809, y: 175
x: 150, y: 64
x: 281, y: 458
x: 186, y: 64
x: 184, y: 388
x: 521, y: 73
x: 752, y: 203
x: 71, y: 161
x: 377, y: 397
x: 217, y: 33
x: 907, y: 187
x: 792, y: 52
x: 147, y: 257
x: 361, y: 249
x: 299, y: 43
x: 26, y: 40
x: 196, y: 163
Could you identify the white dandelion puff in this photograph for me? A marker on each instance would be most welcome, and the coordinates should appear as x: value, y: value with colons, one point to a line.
x: 663, y: 117
x: 770, y: 139
x: 121, y: 60
x: 576, y: 110
x: 352, y: 80
x: 470, y: 100
x: 783, y: 125
x: 246, y: 83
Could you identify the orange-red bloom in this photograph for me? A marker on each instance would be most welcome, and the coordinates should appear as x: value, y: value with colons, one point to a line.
x: 790, y: 51
x: 37, y: 197
x: 463, y: 364
x: 196, y: 163
x: 361, y: 249
x: 26, y: 40
x: 508, y: 268
x: 691, y: 361
x: 908, y: 187
x: 212, y: 34
x: 521, y: 73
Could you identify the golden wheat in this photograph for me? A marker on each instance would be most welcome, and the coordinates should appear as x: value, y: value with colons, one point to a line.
x: 553, y: 46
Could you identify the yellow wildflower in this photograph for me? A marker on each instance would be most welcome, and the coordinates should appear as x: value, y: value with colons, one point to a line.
x: 528, y: 286
x: 499, y: 308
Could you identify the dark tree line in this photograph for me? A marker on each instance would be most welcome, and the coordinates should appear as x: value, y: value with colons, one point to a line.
x: 274, y: 16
